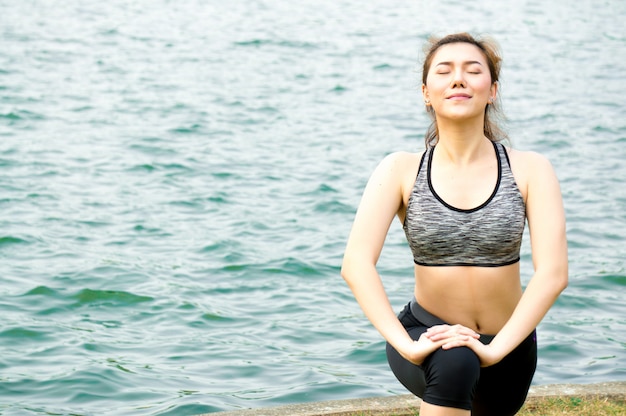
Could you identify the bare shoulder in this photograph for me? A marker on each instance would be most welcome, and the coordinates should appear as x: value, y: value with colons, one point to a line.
x: 530, y: 168
x: 528, y: 163
x: 527, y: 160
x: 399, y: 166
x: 405, y: 168
x: 402, y: 158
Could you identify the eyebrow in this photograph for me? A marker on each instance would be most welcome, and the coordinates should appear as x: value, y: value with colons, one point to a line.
x: 464, y: 63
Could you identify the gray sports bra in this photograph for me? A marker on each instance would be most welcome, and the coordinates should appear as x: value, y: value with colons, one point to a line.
x: 489, y: 235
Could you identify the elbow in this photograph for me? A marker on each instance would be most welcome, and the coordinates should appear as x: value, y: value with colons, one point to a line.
x: 562, y: 275
x: 553, y: 280
x: 349, y: 276
x: 559, y: 284
x: 553, y: 275
x: 353, y: 269
x: 560, y: 279
x: 347, y: 270
x: 563, y: 280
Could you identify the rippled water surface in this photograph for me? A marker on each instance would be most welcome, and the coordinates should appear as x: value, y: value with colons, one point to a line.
x: 178, y: 180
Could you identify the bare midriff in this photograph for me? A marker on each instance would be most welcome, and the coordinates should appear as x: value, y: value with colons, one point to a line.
x: 480, y: 298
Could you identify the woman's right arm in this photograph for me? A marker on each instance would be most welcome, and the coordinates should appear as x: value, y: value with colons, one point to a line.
x: 381, y: 200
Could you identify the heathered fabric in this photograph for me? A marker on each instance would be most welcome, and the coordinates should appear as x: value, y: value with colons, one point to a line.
x: 489, y: 235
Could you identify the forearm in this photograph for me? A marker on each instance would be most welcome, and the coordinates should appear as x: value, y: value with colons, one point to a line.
x: 368, y: 290
x: 548, y: 241
x: 540, y: 294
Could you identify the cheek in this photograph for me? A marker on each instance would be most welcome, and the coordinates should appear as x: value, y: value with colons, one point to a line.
x: 483, y: 84
x: 437, y: 84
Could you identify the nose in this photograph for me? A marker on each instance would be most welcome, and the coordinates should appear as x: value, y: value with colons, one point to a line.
x: 458, y: 81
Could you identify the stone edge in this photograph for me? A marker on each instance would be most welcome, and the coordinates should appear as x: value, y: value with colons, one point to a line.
x: 405, y: 405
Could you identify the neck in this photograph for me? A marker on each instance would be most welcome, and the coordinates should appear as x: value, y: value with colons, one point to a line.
x: 461, y: 142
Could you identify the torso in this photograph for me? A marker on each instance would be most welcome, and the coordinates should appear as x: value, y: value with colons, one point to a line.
x: 481, y: 298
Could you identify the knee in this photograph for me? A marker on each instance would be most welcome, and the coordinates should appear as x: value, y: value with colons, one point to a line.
x: 455, y: 363
x: 410, y: 375
x: 451, y: 377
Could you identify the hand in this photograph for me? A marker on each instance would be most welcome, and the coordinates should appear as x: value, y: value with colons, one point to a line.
x: 460, y: 336
x: 417, y: 351
x: 435, y: 338
x: 451, y: 334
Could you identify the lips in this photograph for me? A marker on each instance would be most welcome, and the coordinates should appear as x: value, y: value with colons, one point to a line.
x: 459, y: 96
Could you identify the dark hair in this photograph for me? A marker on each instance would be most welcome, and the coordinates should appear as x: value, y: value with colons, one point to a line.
x: 490, y: 49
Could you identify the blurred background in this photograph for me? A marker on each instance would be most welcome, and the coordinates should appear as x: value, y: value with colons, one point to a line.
x: 178, y: 180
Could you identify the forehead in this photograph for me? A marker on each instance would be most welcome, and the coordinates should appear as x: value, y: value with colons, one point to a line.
x: 459, y: 52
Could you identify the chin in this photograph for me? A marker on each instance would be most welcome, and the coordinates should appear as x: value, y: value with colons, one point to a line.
x: 462, y: 114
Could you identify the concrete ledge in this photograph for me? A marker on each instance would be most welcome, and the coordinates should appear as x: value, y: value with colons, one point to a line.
x: 405, y: 405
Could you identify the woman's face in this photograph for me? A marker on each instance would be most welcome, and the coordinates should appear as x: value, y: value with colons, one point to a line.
x: 458, y: 84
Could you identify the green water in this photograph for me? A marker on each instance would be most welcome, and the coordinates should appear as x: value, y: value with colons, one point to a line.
x: 178, y: 180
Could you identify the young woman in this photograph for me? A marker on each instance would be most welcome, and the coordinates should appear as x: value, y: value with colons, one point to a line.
x: 466, y: 343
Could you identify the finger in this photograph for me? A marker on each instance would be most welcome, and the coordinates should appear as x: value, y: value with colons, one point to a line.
x: 460, y: 341
x: 470, y: 333
x: 456, y: 341
x: 460, y: 329
x: 438, y: 328
x: 456, y: 329
x: 451, y: 334
x: 438, y: 336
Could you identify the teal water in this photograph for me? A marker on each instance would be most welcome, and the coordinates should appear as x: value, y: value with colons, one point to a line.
x: 178, y: 180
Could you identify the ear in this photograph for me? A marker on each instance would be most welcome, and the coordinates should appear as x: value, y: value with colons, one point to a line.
x: 425, y: 94
x: 494, y: 91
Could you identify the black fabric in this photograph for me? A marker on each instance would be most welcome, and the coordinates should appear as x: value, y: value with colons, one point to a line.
x: 454, y: 378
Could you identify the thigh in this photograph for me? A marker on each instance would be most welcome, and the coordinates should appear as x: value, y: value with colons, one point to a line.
x: 451, y: 377
x: 410, y: 375
x: 446, y: 378
x: 503, y: 388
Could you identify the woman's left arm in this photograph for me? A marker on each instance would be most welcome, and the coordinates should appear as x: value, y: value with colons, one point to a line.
x: 546, y: 222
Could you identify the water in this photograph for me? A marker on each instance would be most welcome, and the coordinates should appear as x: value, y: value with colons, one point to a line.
x: 179, y: 179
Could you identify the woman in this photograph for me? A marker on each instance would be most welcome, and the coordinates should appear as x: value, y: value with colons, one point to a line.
x: 466, y: 342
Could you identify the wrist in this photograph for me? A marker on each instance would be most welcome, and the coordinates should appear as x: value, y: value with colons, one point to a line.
x: 403, y: 346
x: 497, y: 352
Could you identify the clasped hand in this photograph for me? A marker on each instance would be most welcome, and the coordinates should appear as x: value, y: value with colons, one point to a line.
x: 447, y: 337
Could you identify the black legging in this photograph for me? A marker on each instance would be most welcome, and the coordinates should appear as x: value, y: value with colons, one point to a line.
x: 454, y: 378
